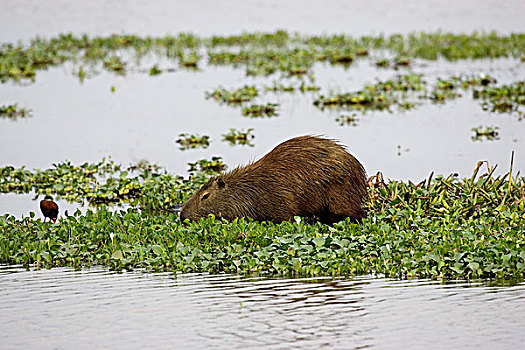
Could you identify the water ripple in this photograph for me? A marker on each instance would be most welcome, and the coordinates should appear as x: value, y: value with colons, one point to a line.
x: 64, y: 308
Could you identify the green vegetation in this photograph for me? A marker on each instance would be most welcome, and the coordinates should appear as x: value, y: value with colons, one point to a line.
x: 14, y: 112
x: 115, y: 64
x: 279, y: 87
x: 443, y: 227
x: 485, y: 133
x: 503, y: 99
x: 266, y: 110
x: 347, y: 120
x: 439, y: 228
x: 187, y: 141
x: 239, y: 137
x: 155, y: 70
x: 238, y: 96
x: 380, y: 96
x: 291, y: 55
x: 290, y: 58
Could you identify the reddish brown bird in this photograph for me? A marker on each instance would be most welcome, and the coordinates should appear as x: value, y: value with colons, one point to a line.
x: 49, y: 208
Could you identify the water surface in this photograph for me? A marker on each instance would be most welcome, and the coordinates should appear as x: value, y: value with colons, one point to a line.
x: 64, y: 308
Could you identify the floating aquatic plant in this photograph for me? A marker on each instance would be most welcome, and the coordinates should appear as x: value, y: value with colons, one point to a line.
x: 189, y: 141
x: 235, y: 96
x: 503, y: 99
x: 489, y: 133
x: 266, y: 110
x: 379, y: 96
x: 14, y: 112
x: 239, y: 137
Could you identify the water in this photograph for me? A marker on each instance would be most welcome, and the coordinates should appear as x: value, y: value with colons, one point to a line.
x: 22, y: 19
x: 95, y: 308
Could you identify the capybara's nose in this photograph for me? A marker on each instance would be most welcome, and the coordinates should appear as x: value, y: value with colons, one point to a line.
x: 183, y: 215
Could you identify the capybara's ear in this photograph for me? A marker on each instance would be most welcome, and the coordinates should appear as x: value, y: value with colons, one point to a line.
x: 220, y: 182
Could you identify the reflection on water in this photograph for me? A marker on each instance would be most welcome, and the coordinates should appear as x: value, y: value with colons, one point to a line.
x: 63, y: 308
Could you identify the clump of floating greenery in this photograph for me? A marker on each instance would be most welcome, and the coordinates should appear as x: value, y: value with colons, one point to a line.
x: 442, y: 227
x: 239, y: 137
x: 503, y: 99
x: 379, y: 96
x: 237, y: 96
x: 344, y: 119
x: 187, y: 141
x: 14, y: 112
x: 265, y: 110
x: 485, y: 133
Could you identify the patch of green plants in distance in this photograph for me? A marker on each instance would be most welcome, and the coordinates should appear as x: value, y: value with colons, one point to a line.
x: 445, y: 89
x: 489, y: 133
x: 442, y: 227
x: 345, y: 119
x: 239, y: 137
x: 279, y: 87
x: 14, y: 112
x: 292, y: 55
x: 187, y: 141
x: 234, y: 96
x: 256, y: 111
x: 379, y: 96
x: 503, y: 99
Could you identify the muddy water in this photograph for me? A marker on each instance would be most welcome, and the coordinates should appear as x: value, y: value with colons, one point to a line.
x: 63, y: 308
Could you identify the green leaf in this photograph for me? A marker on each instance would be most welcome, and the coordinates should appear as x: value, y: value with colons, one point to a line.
x: 117, y: 254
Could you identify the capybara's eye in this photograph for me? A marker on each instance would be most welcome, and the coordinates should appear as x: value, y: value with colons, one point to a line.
x: 204, y: 196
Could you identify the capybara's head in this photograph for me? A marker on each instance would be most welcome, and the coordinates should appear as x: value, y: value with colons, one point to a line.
x: 211, y: 198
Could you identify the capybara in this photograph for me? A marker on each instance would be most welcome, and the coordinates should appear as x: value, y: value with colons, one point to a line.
x: 306, y: 176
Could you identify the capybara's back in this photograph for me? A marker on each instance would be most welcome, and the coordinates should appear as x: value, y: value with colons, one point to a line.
x: 305, y: 176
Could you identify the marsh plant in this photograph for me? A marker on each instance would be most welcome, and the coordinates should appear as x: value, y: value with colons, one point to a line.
x: 234, y: 96
x: 503, y: 99
x: 190, y: 141
x: 488, y: 133
x: 256, y: 111
x: 14, y: 112
x: 239, y: 137
x: 345, y: 119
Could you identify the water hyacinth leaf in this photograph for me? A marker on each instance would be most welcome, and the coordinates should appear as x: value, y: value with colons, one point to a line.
x: 117, y: 254
x: 157, y: 250
x: 319, y: 241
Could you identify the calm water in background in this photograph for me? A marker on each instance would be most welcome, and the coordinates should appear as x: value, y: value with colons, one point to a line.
x: 95, y: 308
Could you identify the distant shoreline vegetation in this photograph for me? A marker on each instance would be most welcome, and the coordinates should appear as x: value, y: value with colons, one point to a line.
x: 291, y: 55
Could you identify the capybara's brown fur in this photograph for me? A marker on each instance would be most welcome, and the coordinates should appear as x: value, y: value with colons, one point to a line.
x: 305, y: 176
